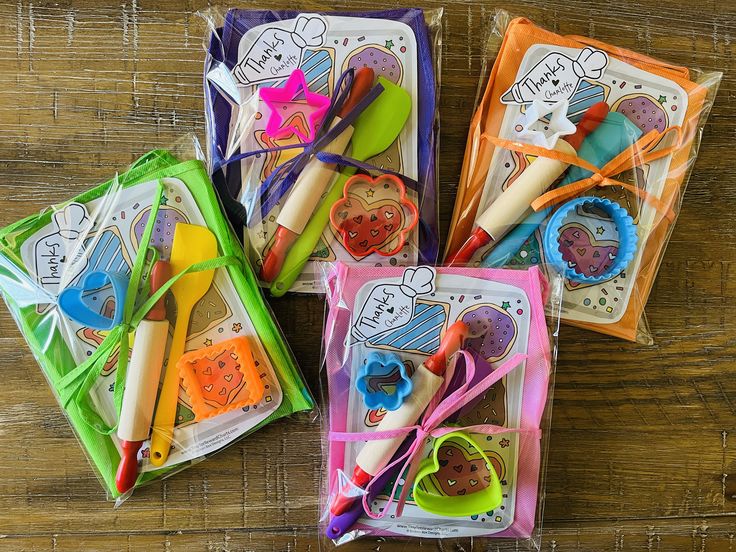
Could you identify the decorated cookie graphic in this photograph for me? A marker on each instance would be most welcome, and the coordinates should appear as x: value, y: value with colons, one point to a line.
x: 644, y: 111
x: 583, y: 253
x: 587, y: 94
x: 624, y: 197
x: 518, y: 162
x: 492, y: 331
x: 382, y: 60
x: 422, y: 334
x: 94, y: 339
x: 209, y: 311
x: 461, y: 471
x: 374, y: 215
x: 163, y: 230
x: 220, y: 378
x: 374, y: 417
x: 490, y: 409
x: 389, y: 159
x: 105, y: 250
x: 273, y: 159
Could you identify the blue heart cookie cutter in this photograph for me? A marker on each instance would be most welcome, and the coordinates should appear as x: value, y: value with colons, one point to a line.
x: 379, y: 372
x: 74, y: 302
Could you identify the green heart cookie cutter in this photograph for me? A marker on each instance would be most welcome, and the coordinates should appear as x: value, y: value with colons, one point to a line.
x: 471, y: 504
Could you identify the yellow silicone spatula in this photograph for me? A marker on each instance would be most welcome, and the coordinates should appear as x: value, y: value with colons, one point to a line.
x: 192, y: 244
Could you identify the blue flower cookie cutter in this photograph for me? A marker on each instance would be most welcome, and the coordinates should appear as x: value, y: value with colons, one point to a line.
x: 383, y: 381
x: 78, y: 302
x: 579, y: 255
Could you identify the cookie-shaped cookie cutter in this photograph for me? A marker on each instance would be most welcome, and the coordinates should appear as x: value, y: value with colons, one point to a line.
x: 374, y: 215
x: 383, y: 381
x: 606, y: 261
x: 468, y: 502
x: 220, y: 378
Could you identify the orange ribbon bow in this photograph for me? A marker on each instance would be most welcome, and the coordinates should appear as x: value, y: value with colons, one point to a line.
x: 641, y: 152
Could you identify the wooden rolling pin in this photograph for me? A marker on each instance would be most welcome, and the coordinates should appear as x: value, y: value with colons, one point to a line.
x: 427, y: 380
x: 141, y: 382
x: 511, y: 206
x: 311, y: 184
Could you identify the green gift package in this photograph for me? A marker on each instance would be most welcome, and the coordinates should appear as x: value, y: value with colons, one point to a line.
x: 78, y: 278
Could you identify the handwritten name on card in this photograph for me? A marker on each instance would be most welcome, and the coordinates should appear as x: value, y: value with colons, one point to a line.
x: 278, y: 50
x: 556, y: 77
x: 391, y: 306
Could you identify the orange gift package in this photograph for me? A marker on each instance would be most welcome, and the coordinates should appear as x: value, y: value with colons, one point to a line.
x: 577, y: 159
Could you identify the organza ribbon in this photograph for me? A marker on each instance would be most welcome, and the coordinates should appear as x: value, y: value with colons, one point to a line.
x: 438, y: 412
x: 640, y: 153
x: 278, y: 183
x: 76, y: 384
x: 333, y: 158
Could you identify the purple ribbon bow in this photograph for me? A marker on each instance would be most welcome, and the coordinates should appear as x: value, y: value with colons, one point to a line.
x: 279, y: 182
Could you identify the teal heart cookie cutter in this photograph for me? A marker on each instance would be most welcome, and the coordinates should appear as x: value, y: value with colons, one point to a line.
x: 473, y: 503
x: 73, y: 303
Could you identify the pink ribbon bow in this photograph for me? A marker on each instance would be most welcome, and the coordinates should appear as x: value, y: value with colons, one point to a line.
x: 437, y: 412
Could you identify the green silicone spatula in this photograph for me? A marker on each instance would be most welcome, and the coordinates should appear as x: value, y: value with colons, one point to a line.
x: 375, y: 130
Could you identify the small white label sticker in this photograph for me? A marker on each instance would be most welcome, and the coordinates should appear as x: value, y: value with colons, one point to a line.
x: 59, y: 256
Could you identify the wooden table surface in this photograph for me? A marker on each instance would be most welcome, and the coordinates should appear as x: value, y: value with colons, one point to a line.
x: 642, y: 452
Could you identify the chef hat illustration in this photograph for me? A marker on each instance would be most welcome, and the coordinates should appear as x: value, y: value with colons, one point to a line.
x: 309, y: 31
x: 71, y: 221
x: 417, y: 281
x: 590, y: 64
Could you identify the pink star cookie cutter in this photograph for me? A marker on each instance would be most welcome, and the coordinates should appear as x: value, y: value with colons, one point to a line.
x: 275, y: 97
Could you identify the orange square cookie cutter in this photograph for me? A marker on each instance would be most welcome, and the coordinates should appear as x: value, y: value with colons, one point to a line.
x: 220, y: 378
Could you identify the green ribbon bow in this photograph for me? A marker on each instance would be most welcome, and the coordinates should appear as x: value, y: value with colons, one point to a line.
x: 76, y: 385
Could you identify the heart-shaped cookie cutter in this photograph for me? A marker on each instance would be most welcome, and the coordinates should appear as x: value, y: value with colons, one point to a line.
x: 374, y: 215
x: 486, y: 499
x: 73, y: 300
x: 208, y: 373
x: 627, y: 239
x: 379, y: 372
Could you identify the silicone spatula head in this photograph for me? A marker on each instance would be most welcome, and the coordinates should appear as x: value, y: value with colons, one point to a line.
x: 381, y: 122
x: 192, y: 244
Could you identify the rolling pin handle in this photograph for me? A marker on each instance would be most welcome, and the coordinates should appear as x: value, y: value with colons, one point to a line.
x: 128, y: 468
